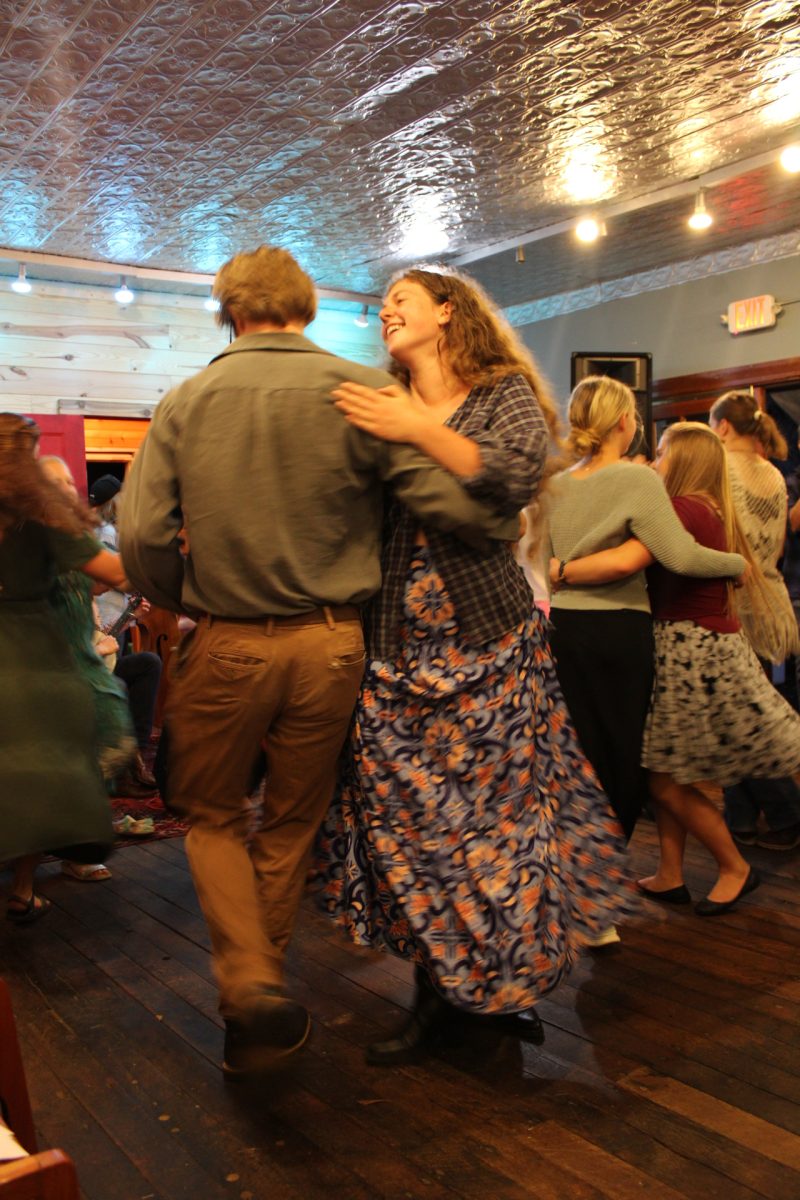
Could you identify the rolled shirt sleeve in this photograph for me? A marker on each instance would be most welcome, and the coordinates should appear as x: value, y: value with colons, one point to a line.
x: 513, y: 449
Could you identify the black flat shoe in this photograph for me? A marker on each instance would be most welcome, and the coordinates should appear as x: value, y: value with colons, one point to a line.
x: 715, y: 908
x: 676, y: 895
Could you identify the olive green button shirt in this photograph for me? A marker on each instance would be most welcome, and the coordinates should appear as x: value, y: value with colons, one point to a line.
x: 282, y: 499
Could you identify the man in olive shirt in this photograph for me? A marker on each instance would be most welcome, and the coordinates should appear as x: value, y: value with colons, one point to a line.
x: 280, y: 502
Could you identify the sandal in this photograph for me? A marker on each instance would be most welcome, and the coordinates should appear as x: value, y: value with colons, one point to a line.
x: 86, y: 872
x: 128, y: 826
x: 25, y: 911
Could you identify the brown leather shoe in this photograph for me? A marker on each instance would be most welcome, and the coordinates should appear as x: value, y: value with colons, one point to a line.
x: 272, y: 1027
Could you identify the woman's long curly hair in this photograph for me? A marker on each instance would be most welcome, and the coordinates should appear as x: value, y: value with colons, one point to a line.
x: 25, y: 493
x: 478, y: 344
x: 480, y: 348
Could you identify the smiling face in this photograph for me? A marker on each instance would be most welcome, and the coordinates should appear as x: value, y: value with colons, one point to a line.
x: 411, y: 320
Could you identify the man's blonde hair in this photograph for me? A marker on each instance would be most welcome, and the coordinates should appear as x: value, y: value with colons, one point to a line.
x: 264, y: 285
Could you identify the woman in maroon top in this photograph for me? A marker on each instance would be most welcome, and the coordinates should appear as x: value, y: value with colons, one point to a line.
x: 714, y: 715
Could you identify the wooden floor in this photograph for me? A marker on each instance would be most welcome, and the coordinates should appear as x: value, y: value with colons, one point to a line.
x: 671, y: 1066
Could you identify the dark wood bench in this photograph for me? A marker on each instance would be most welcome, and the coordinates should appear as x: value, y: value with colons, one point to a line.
x: 49, y: 1175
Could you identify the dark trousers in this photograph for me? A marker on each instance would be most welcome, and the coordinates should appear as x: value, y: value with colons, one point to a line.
x: 604, y: 661
x: 141, y: 674
x: 778, y: 799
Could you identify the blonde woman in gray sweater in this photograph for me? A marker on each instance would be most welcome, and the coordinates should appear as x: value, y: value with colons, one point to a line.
x: 602, y: 636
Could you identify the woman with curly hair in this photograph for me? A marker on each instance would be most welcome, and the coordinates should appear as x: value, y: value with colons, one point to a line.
x: 469, y: 833
x: 51, y: 793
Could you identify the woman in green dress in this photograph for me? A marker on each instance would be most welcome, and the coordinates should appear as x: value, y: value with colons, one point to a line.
x: 52, y: 797
x: 72, y: 598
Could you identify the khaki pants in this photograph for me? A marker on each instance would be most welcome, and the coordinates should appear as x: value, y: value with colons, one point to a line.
x: 292, y: 684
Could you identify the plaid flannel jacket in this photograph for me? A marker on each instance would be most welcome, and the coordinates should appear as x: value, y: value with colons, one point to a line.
x: 489, y: 592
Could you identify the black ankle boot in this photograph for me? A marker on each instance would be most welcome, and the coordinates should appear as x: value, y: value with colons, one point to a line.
x: 431, y: 1023
x: 525, y: 1026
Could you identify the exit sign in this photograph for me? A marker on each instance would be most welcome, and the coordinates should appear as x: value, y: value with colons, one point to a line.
x: 759, y: 312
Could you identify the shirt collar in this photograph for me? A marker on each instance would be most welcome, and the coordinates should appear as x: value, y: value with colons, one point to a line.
x: 272, y: 341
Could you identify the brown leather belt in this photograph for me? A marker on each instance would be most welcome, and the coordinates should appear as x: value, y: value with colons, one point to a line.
x: 328, y: 615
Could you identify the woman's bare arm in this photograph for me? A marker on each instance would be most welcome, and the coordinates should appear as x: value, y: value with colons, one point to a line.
x: 606, y: 566
x: 106, y: 567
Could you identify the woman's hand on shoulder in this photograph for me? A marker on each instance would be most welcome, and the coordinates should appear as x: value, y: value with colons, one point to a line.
x: 388, y: 413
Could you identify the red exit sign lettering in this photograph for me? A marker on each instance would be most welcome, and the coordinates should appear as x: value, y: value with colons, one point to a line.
x: 759, y: 312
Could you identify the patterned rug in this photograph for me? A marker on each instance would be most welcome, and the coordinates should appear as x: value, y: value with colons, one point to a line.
x: 166, y: 825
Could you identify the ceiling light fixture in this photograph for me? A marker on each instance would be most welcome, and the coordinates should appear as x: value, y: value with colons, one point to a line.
x: 701, y: 218
x: 790, y: 158
x: 20, y: 284
x: 589, y: 229
x: 519, y: 255
x: 210, y: 304
x: 362, y: 320
x: 123, y: 294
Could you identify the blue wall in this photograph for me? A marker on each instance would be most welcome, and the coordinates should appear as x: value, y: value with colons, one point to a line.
x: 335, y: 329
x: 680, y: 326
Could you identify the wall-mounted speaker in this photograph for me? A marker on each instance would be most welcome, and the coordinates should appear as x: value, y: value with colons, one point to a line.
x: 635, y: 370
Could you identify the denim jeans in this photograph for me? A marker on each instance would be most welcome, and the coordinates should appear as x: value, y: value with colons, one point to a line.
x: 778, y: 799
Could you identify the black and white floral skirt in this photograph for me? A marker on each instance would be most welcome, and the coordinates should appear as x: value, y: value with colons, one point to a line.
x: 715, y: 715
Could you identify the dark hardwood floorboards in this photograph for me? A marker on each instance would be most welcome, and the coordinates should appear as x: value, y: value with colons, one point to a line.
x: 671, y: 1066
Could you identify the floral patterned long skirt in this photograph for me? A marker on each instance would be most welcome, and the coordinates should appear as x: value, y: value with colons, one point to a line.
x: 469, y: 832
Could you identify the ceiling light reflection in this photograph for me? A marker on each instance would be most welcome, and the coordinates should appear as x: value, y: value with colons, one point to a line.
x: 779, y: 95
x: 586, y: 173
x: 424, y: 226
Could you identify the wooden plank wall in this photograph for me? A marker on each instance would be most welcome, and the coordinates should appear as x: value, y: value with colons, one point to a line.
x: 74, y: 342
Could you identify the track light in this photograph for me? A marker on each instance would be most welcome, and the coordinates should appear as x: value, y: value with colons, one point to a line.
x: 790, y: 158
x: 362, y: 320
x: 519, y: 254
x: 589, y: 229
x: 123, y: 294
x: 701, y: 218
x: 20, y: 284
x: 210, y: 304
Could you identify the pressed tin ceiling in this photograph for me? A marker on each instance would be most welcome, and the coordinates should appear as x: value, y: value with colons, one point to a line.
x: 363, y: 134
